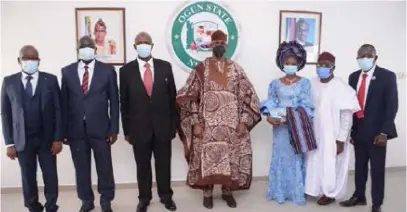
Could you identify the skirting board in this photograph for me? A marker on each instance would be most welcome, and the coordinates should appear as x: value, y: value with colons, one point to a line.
x: 12, y: 190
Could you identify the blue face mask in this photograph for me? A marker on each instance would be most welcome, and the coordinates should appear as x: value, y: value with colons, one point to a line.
x: 365, y: 63
x: 30, y: 66
x: 290, y: 70
x: 143, y: 50
x: 86, y: 54
x: 323, y: 72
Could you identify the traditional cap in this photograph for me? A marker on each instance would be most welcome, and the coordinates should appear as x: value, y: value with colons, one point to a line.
x: 218, y: 35
x: 291, y: 48
x: 326, y: 56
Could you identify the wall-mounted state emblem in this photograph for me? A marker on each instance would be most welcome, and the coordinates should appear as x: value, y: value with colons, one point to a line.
x: 191, y: 28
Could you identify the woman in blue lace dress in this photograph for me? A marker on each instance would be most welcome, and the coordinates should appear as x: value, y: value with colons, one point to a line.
x: 287, y: 169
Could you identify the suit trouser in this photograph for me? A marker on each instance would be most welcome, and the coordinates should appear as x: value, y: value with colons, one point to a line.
x: 162, y: 159
x: 365, y: 152
x: 81, y: 156
x: 28, y: 164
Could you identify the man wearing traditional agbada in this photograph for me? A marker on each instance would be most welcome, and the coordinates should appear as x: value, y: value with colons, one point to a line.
x: 335, y: 102
x: 218, y: 108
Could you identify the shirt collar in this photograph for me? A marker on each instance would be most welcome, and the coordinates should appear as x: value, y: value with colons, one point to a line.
x: 25, y: 75
x: 141, y: 62
x: 370, y: 72
x: 90, y: 65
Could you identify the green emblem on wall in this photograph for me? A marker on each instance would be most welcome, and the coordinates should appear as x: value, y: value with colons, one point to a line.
x: 191, y: 30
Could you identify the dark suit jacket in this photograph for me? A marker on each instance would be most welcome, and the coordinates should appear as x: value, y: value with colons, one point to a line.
x: 12, y: 112
x: 100, y: 106
x: 380, y: 108
x: 144, y: 116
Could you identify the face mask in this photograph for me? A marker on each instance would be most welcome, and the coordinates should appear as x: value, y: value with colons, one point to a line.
x: 290, y: 70
x: 323, y: 72
x: 219, y: 50
x: 143, y: 50
x: 365, y: 63
x: 86, y: 54
x: 30, y: 66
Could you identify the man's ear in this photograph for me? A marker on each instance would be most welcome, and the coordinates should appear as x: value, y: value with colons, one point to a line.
x: 152, y: 45
x: 18, y: 60
x: 333, y: 68
x: 375, y: 58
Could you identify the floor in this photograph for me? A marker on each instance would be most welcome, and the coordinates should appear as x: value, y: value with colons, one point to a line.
x: 253, y: 200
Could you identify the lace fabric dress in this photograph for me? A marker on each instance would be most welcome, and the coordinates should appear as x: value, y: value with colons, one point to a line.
x: 287, y: 169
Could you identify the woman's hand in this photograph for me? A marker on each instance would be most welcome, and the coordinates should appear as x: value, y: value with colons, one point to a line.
x: 273, y: 121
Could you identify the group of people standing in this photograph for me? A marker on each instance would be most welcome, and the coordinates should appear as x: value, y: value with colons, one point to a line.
x: 213, y: 113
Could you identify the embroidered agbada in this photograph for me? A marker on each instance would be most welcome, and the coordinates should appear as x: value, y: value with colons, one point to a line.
x: 327, y: 173
x: 301, y: 130
x: 218, y: 95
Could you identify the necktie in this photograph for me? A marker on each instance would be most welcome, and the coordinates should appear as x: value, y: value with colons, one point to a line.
x: 85, y: 81
x: 361, y: 96
x: 29, y: 86
x: 148, y: 79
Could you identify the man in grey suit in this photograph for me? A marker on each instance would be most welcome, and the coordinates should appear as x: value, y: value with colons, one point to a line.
x: 32, y: 127
x: 90, y: 105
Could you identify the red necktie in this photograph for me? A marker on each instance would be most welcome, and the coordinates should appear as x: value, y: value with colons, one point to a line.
x: 361, y: 96
x: 85, y: 81
x: 148, y: 79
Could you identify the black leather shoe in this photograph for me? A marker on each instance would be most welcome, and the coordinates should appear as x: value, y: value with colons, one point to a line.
x: 87, y: 208
x: 230, y: 200
x: 208, y: 202
x: 107, y: 209
x: 142, y: 206
x: 169, y: 205
x: 324, y: 200
x: 353, y: 201
x: 376, y: 209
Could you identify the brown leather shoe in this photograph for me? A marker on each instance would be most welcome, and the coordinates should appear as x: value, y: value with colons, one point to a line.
x: 208, y: 202
x: 230, y: 200
x: 353, y: 201
x: 324, y: 200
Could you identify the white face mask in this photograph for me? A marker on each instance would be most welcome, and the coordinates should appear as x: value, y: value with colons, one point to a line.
x: 143, y: 50
x: 86, y: 54
x: 30, y: 66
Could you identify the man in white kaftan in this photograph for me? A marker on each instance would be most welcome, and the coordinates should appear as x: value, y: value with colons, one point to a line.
x: 335, y: 102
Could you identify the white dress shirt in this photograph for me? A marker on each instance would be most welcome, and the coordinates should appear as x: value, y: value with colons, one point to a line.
x: 81, y: 71
x: 141, y: 64
x: 368, y: 79
x: 34, y: 80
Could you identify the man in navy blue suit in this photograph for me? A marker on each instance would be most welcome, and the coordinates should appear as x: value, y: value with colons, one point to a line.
x: 373, y: 125
x: 32, y: 127
x: 90, y: 105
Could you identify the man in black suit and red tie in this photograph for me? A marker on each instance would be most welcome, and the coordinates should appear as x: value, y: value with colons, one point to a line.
x: 373, y: 126
x: 149, y: 116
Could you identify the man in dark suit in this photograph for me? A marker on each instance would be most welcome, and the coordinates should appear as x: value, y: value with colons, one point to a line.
x: 372, y: 126
x: 90, y: 103
x: 32, y: 127
x: 147, y: 96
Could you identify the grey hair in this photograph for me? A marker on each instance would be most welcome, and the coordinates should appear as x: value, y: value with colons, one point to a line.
x: 370, y: 48
x: 145, y: 35
x: 27, y: 47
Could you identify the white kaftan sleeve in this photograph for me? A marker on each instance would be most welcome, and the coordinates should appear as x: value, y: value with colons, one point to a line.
x: 346, y: 120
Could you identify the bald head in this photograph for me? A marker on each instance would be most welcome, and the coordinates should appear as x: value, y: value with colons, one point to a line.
x: 143, y: 38
x: 86, y: 41
x: 367, y: 51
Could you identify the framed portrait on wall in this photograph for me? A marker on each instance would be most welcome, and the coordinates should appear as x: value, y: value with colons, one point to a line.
x: 305, y: 28
x: 107, y: 27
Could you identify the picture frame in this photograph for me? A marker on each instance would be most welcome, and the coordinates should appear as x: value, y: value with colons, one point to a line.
x: 107, y: 27
x: 305, y: 28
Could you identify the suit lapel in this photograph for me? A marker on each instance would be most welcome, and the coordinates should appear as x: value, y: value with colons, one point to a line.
x: 372, y: 85
x: 354, y: 81
x: 42, y: 89
x: 18, y: 88
x: 75, y: 77
x: 95, y: 75
x: 156, y: 75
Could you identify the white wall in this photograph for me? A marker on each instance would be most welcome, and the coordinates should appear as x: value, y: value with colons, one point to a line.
x: 50, y: 26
